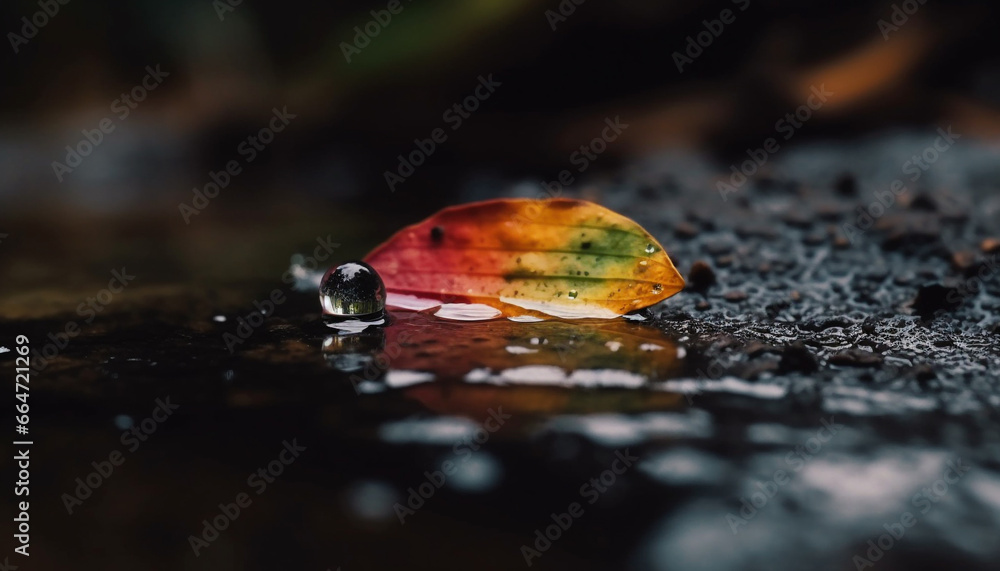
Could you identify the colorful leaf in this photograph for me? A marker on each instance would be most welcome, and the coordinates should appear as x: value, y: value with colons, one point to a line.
x: 561, y: 257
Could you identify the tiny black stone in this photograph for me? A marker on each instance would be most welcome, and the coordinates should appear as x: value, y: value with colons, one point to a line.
x: 846, y: 185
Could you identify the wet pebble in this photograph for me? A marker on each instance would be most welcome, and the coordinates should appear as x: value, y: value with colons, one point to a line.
x: 846, y: 185
x: 830, y: 211
x: 814, y: 239
x: 909, y: 240
x: 857, y: 358
x: 798, y: 219
x: 797, y: 358
x: 735, y: 296
x: 756, y: 349
x: 685, y: 230
x: 923, y: 201
x: 935, y: 297
x: 701, y: 276
x: 923, y: 373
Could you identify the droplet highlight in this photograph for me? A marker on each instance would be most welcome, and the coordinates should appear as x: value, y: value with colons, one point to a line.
x: 352, y: 289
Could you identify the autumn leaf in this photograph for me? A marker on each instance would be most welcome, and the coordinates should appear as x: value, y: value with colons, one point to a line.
x: 561, y: 257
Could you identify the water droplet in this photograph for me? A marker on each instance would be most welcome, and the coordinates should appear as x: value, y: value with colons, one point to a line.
x: 657, y: 288
x: 650, y: 248
x: 352, y: 289
x: 572, y: 294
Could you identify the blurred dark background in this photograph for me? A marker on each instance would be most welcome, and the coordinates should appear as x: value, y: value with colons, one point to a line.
x: 228, y: 66
x: 353, y: 119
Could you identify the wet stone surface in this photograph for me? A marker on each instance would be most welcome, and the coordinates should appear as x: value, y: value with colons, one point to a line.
x: 814, y: 389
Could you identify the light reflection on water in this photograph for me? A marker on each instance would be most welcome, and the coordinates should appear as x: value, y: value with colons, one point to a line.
x: 463, y: 366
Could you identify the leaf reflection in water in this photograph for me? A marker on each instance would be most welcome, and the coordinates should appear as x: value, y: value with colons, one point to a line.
x: 539, y: 367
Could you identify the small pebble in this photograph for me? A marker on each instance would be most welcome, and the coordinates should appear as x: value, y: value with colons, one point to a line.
x: 685, y: 230
x: 910, y: 239
x: 756, y: 349
x: 856, y: 358
x: 796, y: 357
x: 814, y: 239
x: 735, y: 296
x: 846, y: 185
x: 990, y: 246
x: 798, y: 219
x: 963, y: 260
x: 923, y: 201
x: 701, y: 276
x: 935, y: 297
x: 923, y: 372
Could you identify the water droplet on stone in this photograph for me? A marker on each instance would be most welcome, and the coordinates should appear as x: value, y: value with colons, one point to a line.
x: 572, y: 294
x: 650, y: 248
x: 352, y: 289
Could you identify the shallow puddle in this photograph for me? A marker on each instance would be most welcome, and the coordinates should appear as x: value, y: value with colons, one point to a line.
x: 461, y: 366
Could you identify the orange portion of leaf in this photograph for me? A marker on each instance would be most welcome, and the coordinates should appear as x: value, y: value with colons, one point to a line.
x: 562, y: 257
